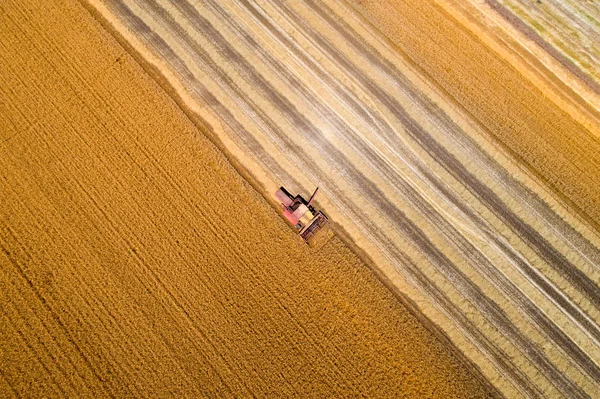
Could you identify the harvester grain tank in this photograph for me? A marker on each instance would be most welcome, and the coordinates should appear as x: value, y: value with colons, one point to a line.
x: 301, y: 213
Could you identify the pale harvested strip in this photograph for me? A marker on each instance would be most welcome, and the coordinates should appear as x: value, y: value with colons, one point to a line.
x: 540, y: 64
x: 514, y: 189
x: 135, y: 262
x: 512, y: 108
x: 478, y: 248
x: 570, y: 26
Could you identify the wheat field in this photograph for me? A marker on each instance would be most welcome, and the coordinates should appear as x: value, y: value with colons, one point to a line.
x: 452, y: 149
x: 136, y: 262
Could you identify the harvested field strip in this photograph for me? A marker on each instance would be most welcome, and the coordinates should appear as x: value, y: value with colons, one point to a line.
x: 571, y: 27
x: 305, y: 94
x: 134, y: 261
x: 557, y: 149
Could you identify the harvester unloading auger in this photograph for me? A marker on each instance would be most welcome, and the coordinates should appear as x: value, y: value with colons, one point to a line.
x: 300, y: 213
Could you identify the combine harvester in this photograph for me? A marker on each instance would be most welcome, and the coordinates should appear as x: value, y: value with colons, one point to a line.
x: 300, y: 213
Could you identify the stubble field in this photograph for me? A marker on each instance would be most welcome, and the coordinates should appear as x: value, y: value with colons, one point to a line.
x: 548, y: 128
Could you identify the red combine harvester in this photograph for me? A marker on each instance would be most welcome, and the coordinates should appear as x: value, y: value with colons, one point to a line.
x: 301, y: 213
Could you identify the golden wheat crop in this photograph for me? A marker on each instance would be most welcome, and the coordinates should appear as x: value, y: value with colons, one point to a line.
x: 136, y: 262
x: 310, y: 93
